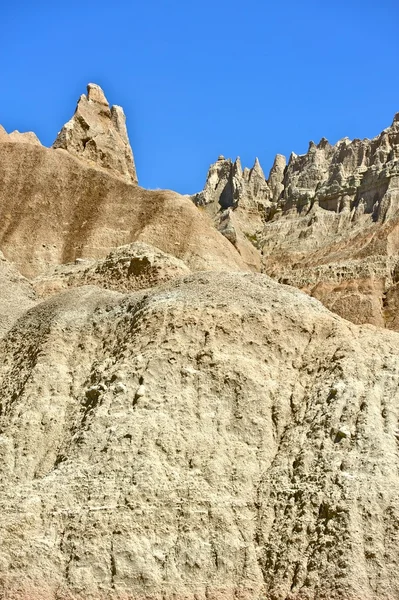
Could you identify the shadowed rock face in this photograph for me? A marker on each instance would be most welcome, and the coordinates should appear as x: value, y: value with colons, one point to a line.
x: 97, y: 134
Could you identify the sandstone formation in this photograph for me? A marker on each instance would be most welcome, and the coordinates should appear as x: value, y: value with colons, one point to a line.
x: 97, y: 134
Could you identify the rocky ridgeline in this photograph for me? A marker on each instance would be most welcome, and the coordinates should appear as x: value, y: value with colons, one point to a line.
x: 321, y: 221
x: 360, y: 176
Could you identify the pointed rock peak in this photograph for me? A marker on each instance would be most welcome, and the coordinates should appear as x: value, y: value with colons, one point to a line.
x: 95, y: 94
x: 98, y: 135
x: 324, y: 143
x: 257, y: 168
x: 237, y: 166
x: 280, y: 162
x: 220, y: 158
x: 395, y: 119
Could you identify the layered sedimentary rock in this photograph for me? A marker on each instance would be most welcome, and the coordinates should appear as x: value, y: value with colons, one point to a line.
x: 97, y: 134
x: 334, y: 230
x: 220, y: 437
x: 330, y: 222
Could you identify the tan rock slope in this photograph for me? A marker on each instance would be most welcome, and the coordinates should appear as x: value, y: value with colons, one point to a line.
x: 17, y: 295
x: 220, y: 437
x: 64, y: 203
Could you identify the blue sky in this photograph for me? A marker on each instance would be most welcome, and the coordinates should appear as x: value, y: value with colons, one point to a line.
x: 199, y: 79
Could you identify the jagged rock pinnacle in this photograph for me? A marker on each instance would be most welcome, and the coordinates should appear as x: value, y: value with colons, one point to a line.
x: 97, y: 133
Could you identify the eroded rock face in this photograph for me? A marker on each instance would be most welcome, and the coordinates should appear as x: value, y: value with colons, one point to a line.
x: 334, y: 230
x: 329, y: 224
x: 360, y: 176
x: 229, y: 186
x: 97, y: 134
x: 223, y: 436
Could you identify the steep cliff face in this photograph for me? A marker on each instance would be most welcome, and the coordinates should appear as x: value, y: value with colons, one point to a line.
x: 220, y: 437
x: 359, y: 176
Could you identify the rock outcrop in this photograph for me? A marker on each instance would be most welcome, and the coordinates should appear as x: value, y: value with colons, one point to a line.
x: 333, y: 231
x: 97, y: 134
x: 229, y: 186
x: 170, y: 435
x: 328, y: 221
x: 220, y: 437
x: 128, y: 268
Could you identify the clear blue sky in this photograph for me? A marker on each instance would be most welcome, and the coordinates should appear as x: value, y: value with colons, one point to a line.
x: 199, y: 79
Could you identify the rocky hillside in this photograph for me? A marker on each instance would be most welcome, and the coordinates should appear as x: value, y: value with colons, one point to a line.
x: 172, y: 425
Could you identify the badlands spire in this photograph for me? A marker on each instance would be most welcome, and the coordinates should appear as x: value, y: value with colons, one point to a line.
x: 97, y: 133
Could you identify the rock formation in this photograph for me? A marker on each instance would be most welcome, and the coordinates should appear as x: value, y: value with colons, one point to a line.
x: 229, y: 186
x: 168, y: 434
x: 329, y: 224
x: 97, y: 134
x: 223, y: 436
x: 57, y: 205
